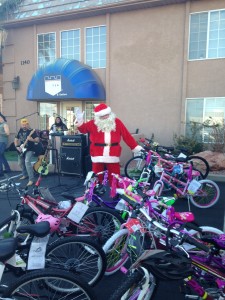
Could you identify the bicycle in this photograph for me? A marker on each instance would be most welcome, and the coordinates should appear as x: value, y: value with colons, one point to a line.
x: 76, y: 219
x: 199, y: 163
x: 78, y: 255
x: 145, y: 164
x: 201, y: 193
x: 136, y: 234
x: 38, y: 283
x: 163, y: 265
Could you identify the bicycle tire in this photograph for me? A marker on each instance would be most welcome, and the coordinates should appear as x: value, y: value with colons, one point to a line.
x: 207, y: 195
x: 134, y: 167
x: 78, y: 255
x: 116, y: 251
x: 51, y: 285
x: 207, y: 230
x: 100, y: 223
x: 131, y: 288
x: 200, y: 164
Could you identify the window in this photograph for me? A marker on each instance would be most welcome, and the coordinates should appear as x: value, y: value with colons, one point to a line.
x: 89, y: 110
x: 47, y: 118
x: 202, y: 109
x: 207, y: 35
x: 96, y: 47
x: 70, y: 44
x: 46, y: 48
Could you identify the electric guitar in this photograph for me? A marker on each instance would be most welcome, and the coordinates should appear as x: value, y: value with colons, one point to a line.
x: 41, y: 165
x: 22, y: 147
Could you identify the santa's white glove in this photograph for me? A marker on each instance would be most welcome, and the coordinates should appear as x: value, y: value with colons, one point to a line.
x: 79, y: 117
x: 137, y: 150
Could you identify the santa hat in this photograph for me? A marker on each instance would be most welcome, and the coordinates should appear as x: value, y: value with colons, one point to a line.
x: 102, y: 110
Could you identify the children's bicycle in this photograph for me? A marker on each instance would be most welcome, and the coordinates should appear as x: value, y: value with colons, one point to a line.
x: 149, y: 165
x: 36, y: 284
x: 155, y: 265
x: 78, y: 255
x: 76, y: 218
x: 137, y: 234
x: 201, y: 193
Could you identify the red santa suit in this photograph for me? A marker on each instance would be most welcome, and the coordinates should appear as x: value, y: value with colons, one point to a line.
x: 105, y: 149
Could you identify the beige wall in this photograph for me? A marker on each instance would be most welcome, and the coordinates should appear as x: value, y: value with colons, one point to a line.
x: 148, y: 76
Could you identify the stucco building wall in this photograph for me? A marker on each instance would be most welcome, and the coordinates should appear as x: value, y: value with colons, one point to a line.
x: 147, y: 77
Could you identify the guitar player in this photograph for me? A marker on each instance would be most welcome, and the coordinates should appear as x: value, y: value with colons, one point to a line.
x: 25, y: 145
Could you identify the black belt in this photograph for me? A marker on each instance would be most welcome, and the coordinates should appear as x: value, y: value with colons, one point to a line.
x: 109, y: 144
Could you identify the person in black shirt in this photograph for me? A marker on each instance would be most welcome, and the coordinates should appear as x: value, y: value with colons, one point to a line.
x: 58, y: 127
x: 25, y: 145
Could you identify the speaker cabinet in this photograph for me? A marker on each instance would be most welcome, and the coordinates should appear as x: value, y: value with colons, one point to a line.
x: 78, y: 140
x: 72, y: 160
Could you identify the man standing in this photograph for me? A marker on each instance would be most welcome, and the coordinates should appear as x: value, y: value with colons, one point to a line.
x: 105, y: 133
x: 4, y: 134
x: 25, y: 144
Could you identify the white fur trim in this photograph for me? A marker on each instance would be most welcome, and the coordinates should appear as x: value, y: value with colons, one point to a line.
x: 137, y: 149
x: 104, y: 159
x: 103, y: 112
x: 107, y: 140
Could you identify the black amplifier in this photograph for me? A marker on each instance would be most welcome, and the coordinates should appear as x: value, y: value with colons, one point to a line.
x: 78, y: 140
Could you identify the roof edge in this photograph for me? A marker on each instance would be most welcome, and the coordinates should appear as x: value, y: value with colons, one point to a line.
x: 91, y: 11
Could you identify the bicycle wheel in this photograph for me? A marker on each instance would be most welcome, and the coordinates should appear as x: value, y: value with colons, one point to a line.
x: 207, y: 195
x: 134, y: 167
x: 200, y: 164
x: 78, y: 255
x: 100, y: 223
x: 47, y: 284
x: 206, y: 230
x: 116, y: 251
x: 131, y: 288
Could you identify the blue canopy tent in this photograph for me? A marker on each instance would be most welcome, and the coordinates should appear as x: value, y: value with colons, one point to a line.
x: 65, y: 79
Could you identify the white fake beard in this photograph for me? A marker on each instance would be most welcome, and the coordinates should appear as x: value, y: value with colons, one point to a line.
x: 106, y: 125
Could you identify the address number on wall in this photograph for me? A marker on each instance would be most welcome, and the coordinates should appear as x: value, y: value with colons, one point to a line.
x: 25, y: 62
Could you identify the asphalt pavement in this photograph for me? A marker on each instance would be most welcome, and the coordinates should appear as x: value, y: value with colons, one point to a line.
x: 58, y: 183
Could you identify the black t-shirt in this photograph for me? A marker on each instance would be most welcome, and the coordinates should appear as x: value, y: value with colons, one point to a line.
x: 59, y: 127
x: 22, y: 136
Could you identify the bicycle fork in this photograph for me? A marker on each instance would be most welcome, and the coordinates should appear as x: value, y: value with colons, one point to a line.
x: 201, y: 293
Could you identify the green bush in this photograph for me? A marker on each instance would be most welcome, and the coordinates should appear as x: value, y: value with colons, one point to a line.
x: 187, y: 144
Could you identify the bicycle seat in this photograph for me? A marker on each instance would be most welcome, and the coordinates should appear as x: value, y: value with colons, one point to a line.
x: 184, y: 216
x: 40, y: 229
x: 7, y: 248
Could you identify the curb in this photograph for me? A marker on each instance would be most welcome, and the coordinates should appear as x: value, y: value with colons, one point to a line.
x: 216, y: 177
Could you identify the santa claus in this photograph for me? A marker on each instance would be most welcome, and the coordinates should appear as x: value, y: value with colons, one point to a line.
x: 105, y: 133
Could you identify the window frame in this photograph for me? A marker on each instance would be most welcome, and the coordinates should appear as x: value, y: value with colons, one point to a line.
x: 67, y: 30
x: 207, y: 40
x: 85, y: 47
x: 203, y: 113
x: 46, y: 33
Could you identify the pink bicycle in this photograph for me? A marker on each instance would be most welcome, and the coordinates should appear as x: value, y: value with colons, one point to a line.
x: 201, y: 193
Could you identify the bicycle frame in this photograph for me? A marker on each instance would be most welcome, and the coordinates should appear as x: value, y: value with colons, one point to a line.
x: 171, y: 181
